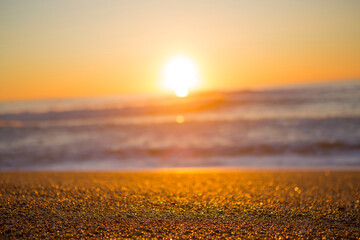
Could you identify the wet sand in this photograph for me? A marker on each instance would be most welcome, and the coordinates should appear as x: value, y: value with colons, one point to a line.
x: 176, y: 204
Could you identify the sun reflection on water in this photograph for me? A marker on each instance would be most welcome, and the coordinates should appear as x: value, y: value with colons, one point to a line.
x: 180, y: 119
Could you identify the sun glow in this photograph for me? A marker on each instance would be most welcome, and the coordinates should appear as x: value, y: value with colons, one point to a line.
x: 180, y: 75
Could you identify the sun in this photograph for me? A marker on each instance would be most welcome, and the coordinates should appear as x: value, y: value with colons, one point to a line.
x: 180, y: 75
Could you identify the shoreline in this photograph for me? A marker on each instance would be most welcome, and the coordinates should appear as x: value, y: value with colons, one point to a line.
x: 197, y: 169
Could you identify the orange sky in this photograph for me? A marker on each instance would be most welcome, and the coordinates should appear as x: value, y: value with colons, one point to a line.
x: 56, y: 49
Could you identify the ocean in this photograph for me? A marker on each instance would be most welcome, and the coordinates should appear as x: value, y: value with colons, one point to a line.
x: 314, y: 125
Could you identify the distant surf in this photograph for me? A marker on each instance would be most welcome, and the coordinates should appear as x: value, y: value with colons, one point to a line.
x: 315, y: 125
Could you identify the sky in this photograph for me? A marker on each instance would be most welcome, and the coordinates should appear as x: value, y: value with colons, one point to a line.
x: 75, y: 48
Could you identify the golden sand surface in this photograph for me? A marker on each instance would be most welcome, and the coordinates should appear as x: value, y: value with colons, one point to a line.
x: 180, y: 204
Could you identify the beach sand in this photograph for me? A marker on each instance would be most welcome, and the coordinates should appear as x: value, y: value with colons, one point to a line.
x: 181, y: 204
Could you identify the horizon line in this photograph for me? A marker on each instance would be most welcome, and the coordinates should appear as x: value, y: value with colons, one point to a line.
x: 161, y: 93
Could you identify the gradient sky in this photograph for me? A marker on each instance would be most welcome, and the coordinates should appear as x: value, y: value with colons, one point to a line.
x: 55, y: 49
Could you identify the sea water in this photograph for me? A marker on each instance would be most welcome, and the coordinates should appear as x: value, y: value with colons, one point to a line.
x: 315, y: 125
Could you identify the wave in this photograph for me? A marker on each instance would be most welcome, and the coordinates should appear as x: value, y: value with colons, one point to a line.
x: 317, y: 148
x: 316, y: 154
x: 329, y: 97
